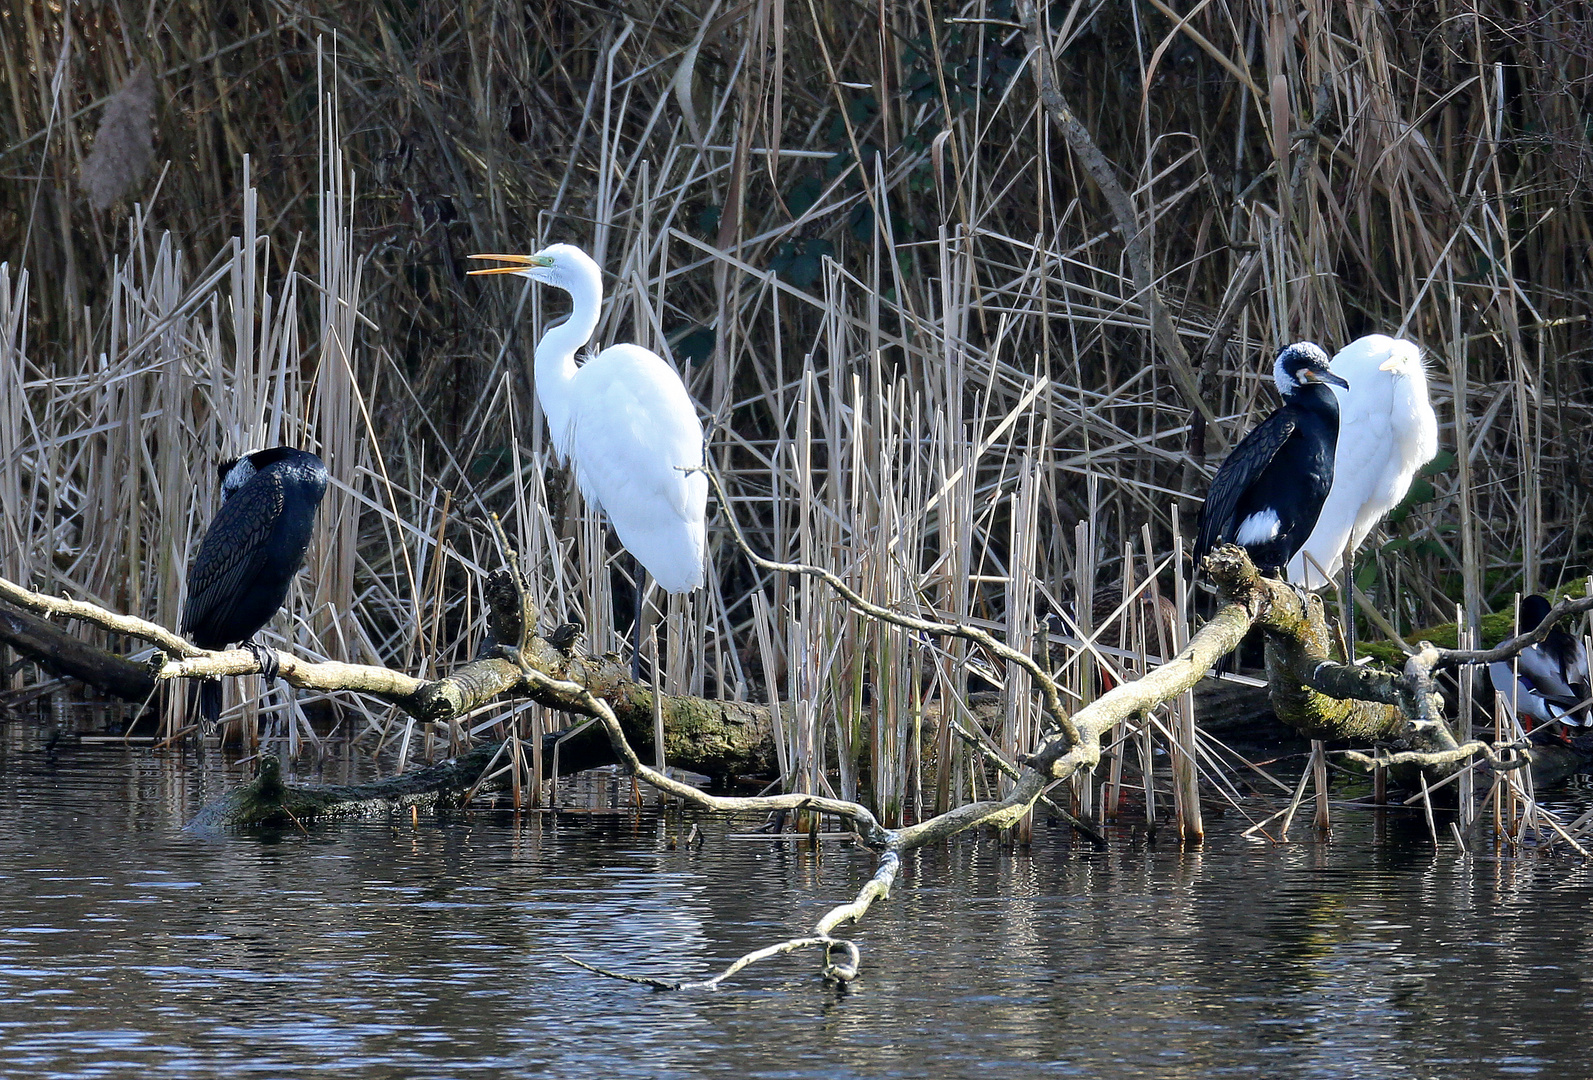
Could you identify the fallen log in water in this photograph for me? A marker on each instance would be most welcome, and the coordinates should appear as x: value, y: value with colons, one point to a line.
x: 268, y: 800
x: 59, y: 653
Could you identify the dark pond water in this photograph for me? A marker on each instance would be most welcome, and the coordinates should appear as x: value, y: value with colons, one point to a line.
x: 131, y: 948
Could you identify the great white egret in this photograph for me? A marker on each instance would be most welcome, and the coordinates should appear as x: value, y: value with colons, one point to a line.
x: 250, y: 553
x: 1387, y: 430
x: 1549, y: 680
x: 624, y: 420
x: 1266, y: 496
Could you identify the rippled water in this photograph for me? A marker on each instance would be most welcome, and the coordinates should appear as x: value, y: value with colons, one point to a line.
x: 129, y: 947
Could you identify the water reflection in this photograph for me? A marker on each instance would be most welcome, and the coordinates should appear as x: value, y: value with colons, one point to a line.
x: 131, y: 947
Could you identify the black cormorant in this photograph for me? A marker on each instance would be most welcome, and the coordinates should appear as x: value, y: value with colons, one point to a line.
x: 1549, y: 680
x: 1267, y: 495
x: 251, y: 551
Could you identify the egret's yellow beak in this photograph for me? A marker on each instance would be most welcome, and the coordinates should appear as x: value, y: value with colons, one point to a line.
x: 1396, y: 364
x: 520, y: 263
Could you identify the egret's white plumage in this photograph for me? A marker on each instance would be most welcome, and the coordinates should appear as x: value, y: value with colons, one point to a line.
x: 626, y: 423
x: 1387, y: 430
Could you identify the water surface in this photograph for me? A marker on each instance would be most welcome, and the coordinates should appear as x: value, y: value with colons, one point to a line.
x: 131, y: 947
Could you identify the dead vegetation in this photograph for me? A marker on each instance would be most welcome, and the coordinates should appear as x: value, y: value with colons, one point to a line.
x: 922, y: 325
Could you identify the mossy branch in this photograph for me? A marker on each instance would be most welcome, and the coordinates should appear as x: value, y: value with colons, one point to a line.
x: 1304, y: 677
x: 1322, y: 697
x: 719, y: 738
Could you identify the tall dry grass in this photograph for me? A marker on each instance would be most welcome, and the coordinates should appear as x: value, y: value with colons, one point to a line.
x: 881, y: 271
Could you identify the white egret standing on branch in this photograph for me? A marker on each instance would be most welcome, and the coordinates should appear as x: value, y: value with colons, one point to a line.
x: 1387, y: 430
x: 624, y: 421
x: 1269, y: 490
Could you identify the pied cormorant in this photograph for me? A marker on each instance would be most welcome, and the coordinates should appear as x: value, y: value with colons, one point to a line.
x: 1268, y: 493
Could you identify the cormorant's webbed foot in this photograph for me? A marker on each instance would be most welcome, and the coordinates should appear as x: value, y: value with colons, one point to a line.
x: 266, y: 657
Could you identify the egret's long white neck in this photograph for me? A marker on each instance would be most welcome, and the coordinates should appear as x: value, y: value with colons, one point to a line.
x: 555, y: 353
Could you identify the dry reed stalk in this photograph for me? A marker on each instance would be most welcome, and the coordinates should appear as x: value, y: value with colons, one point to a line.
x: 1319, y: 783
x: 1466, y: 794
x: 1171, y: 641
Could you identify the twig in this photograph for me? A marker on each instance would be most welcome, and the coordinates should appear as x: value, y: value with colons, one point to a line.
x: 1430, y: 758
x: 1007, y: 769
x: 1042, y: 678
x: 1451, y: 658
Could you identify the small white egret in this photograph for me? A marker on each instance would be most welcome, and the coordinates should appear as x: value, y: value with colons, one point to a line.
x: 1387, y: 430
x: 1268, y: 492
x: 1549, y: 680
x: 624, y: 420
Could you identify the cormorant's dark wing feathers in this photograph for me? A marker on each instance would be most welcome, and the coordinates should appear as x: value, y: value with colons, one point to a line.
x: 232, y: 552
x: 1247, y: 461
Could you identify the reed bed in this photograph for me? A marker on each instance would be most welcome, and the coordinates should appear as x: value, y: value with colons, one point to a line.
x: 904, y: 305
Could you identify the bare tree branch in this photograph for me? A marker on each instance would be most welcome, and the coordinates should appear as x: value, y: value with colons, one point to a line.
x: 62, y: 654
x: 720, y: 738
x: 1300, y: 668
x: 1505, y: 650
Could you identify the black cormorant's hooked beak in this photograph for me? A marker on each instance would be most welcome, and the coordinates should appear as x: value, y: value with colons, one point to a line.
x: 1306, y: 374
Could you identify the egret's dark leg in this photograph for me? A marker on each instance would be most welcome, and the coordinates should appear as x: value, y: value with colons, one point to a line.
x: 1349, y: 606
x: 637, y: 576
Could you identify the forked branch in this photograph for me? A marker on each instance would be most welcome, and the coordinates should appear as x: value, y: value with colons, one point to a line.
x: 1406, y: 702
